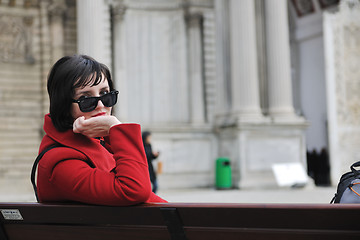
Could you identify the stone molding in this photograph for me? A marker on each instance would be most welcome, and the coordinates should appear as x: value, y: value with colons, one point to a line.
x: 16, y: 38
x: 158, y: 5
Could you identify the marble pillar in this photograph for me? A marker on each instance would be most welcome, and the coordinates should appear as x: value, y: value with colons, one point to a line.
x: 223, y: 100
x: 119, y: 64
x: 254, y: 142
x: 244, y: 67
x: 94, y: 30
x: 278, y: 60
x: 197, y: 97
x: 56, y: 10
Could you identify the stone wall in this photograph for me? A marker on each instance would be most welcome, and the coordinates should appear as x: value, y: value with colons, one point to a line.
x: 20, y: 93
x: 165, y: 70
x: 342, y: 50
x: 26, y: 54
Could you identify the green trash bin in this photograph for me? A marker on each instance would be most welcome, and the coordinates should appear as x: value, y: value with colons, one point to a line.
x: 223, y: 173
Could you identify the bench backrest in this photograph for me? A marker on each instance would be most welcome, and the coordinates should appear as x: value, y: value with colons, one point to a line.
x: 179, y: 221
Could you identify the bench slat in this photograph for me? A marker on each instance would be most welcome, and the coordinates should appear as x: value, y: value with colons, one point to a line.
x: 285, y: 218
x: 87, y: 214
x: 266, y: 234
x: 175, y: 221
x: 63, y: 232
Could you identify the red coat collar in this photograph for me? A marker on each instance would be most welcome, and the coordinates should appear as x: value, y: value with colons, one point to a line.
x: 90, y: 147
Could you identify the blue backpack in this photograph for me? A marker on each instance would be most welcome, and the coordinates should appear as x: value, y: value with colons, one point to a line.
x: 348, y: 189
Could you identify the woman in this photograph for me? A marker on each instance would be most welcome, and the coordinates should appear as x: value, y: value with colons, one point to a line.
x: 151, y: 156
x: 99, y: 159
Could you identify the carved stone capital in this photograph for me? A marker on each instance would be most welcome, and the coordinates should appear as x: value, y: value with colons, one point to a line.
x: 194, y: 19
x: 118, y: 10
x: 31, y: 3
x: 56, y: 9
x: 349, y: 5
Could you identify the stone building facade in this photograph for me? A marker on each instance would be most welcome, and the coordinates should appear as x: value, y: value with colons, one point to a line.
x: 165, y: 59
x: 209, y: 78
x: 32, y: 35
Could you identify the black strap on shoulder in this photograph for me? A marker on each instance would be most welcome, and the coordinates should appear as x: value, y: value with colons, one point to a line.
x: 352, y: 167
x: 333, y: 199
x: 33, y: 170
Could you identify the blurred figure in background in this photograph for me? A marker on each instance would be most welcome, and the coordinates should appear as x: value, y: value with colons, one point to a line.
x: 150, y: 155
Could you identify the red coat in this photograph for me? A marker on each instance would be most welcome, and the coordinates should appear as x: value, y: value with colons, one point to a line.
x: 85, y: 171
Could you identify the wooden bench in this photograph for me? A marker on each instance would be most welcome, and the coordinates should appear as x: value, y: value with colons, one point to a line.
x: 179, y: 221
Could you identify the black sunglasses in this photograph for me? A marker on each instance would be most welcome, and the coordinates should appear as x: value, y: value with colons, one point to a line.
x: 88, y: 104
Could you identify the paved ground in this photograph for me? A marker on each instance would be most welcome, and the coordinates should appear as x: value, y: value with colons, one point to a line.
x: 296, y: 195
x: 209, y: 195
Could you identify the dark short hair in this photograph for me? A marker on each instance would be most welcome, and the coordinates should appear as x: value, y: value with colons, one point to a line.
x: 145, y: 135
x: 67, y: 74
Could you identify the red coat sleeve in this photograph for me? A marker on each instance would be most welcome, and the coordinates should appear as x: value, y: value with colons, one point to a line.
x: 127, y: 184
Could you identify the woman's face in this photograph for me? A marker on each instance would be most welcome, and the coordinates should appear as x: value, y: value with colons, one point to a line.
x: 94, y: 91
x: 148, y: 139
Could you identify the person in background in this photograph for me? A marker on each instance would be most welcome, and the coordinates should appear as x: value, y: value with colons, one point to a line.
x: 151, y: 156
x: 98, y: 159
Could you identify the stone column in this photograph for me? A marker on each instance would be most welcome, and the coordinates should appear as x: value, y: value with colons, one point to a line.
x: 56, y: 12
x: 119, y: 71
x: 45, y: 43
x: 223, y: 102
x: 244, y: 67
x: 278, y: 60
x: 94, y: 30
x: 196, y: 68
